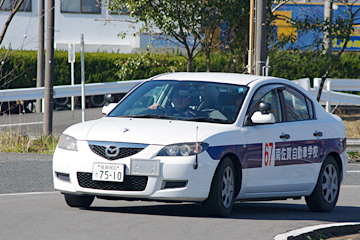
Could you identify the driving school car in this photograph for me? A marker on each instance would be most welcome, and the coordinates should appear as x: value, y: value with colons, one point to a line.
x: 248, y: 138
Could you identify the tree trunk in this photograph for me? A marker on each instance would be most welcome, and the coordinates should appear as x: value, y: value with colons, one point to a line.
x: 207, y: 55
x: 189, y: 62
x: 327, y: 73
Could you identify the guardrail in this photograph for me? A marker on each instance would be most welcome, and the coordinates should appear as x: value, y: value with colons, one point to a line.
x: 68, y: 91
x: 328, y: 96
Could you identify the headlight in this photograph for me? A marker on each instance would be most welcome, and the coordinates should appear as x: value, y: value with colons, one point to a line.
x: 183, y: 149
x: 67, y: 142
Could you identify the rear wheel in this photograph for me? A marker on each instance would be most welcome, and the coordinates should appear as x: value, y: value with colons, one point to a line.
x: 222, y: 193
x: 326, y: 192
x: 78, y: 201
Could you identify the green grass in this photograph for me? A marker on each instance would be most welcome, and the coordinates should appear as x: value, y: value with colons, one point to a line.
x: 17, y: 142
x: 318, y: 236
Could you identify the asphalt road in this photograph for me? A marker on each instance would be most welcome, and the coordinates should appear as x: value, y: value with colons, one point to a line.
x: 31, y: 209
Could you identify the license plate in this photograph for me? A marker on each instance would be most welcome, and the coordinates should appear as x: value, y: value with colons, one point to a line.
x: 108, y: 172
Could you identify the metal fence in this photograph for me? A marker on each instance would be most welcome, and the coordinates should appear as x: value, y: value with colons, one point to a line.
x: 68, y: 91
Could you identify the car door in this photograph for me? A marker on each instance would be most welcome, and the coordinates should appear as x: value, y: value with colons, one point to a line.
x: 307, y: 136
x: 267, y: 145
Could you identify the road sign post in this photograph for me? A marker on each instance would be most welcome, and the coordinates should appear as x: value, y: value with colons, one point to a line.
x: 72, y: 62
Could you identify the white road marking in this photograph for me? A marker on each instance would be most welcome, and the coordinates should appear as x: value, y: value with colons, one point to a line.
x: 21, y: 124
x: 28, y: 193
x: 353, y: 171
x: 304, y: 230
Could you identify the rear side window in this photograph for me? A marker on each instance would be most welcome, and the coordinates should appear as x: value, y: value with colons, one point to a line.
x: 297, y: 106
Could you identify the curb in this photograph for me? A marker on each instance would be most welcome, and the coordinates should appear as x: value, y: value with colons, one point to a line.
x: 313, y: 231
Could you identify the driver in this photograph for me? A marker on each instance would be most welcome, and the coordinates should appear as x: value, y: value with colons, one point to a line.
x: 180, y: 101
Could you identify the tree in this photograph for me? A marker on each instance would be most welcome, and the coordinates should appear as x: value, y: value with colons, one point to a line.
x: 8, y: 75
x: 14, y: 6
x: 236, y: 32
x: 223, y: 24
x: 176, y: 19
x: 193, y: 23
x: 341, y: 28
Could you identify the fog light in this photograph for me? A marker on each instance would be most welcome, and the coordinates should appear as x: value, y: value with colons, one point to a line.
x: 63, y: 176
x: 174, y: 184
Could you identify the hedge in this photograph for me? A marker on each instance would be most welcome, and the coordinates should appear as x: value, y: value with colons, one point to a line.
x: 306, y: 65
x: 18, y: 68
x: 99, y: 67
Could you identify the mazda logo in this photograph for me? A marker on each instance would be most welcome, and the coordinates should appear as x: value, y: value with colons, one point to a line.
x: 112, y: 151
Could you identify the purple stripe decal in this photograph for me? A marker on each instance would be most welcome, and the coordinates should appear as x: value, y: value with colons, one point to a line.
x: 285, y: 153
x: 300, y: 152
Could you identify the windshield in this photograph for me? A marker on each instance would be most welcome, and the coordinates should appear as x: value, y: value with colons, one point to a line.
x: 183, y: 100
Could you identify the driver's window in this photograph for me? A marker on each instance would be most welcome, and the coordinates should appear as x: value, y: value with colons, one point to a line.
x: 273, y: 98
x: 265, y: 94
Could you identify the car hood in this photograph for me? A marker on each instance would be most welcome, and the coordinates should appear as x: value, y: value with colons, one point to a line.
x: 145, y: 131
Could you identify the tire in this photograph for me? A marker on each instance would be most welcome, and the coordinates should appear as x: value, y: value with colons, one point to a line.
x: 78, y: 201
x: 97, y: 100
x: 327, y: 189
x: 61, y: 102
x: 222, y: 193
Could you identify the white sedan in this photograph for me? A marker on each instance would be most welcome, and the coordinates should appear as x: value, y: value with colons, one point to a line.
x: 212, y: 138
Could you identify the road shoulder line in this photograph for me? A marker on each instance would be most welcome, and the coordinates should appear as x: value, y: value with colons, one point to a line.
x: 323, y: 228
x: 27, y: 193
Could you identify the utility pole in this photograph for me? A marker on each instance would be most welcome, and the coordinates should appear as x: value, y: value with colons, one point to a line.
x: 40, y: 56
x: 260, y: 37
x: 49, y: 69
x: 83, y: 100
x: 251, y: 39
x: 328, y: 17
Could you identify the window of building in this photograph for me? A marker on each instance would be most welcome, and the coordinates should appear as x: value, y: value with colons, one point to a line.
x: 9, y: 5
x: 80, y: 6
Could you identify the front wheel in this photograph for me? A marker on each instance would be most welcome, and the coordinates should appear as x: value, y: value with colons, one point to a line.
x: 326, y: 192
x: 222, y: 193
x: 78, y: 201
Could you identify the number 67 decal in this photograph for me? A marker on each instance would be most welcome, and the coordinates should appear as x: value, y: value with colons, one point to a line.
x: 268, y: 153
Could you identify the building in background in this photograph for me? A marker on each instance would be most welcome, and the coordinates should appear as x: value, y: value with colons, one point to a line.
x: 300, y: 10
x: 100, y: 27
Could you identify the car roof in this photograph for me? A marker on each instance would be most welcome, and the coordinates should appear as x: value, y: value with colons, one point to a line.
x: 232, y: 78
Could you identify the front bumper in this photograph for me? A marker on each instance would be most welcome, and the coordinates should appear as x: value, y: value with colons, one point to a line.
x: 176, y: 180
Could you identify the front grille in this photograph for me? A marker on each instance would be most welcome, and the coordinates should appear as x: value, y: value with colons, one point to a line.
x: 130, y: 183
x: 123, y: 152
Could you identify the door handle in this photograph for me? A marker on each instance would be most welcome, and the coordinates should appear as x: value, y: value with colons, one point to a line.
x: 318, y: 134
x: 285, y: 136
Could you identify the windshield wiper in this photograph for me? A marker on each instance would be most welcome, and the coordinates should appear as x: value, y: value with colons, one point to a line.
x: 149, y: 116
x: 207, y: 119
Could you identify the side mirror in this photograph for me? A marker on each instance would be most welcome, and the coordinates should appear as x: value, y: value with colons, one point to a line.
x: 263, y: 116
x: 108, y: 108
x: 109, y: 98
x: 260, y: 118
